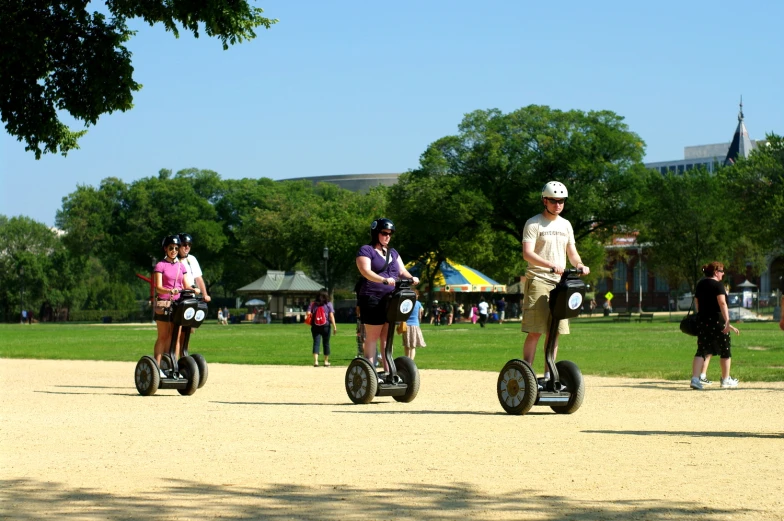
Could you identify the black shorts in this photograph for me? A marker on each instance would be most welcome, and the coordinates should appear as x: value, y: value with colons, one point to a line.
x: 710, y: 339
x: 373, y: 310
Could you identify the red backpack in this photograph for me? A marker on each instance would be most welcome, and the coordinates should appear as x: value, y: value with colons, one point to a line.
x: 320, y: 316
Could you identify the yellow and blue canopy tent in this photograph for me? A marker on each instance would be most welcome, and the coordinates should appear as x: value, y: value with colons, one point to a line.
x: 457, y: 278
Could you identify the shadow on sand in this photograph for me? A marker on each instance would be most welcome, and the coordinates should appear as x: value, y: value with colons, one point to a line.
x: 25, y: 500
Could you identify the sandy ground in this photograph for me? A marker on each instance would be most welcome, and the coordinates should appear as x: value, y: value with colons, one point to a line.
x: 261, y: 442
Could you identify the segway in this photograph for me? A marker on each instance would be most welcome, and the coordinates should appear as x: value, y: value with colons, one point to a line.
x: 519, y: 389
x: 402, y: 381
x: 183, y: 374
x: 201, y: 362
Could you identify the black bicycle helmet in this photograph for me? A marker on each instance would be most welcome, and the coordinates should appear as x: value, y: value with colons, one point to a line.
x: 382, y: 223
x: 185, y: 238
x: 170, y: 239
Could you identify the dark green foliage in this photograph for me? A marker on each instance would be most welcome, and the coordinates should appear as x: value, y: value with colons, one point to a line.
x: 57, y: 56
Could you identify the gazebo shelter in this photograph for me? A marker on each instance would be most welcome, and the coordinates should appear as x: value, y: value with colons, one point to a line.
x: 287, y: 293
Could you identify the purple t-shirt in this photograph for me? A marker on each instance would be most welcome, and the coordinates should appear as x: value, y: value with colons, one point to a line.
x: 172, y: 277
x: 377, y: 262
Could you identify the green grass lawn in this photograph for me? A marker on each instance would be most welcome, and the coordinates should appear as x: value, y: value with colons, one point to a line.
x: 598, y: 346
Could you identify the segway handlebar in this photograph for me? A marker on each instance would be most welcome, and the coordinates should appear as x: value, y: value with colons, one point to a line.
x: 403, y: 283
x: 569, y: 271
x: 191, y: 293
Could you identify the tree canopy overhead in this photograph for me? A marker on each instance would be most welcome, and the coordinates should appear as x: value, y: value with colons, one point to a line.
x: 55, y: 55
x: 509, y: 157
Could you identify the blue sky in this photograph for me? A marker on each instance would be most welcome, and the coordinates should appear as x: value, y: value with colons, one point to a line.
x: 349, y: 87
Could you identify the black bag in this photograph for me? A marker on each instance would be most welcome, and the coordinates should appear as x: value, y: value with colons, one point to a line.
x: 689, y: 322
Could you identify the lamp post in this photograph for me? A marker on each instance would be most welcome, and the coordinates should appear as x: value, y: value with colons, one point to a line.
x: 326, y: 272
x: 21, y: 289
x: 639, y: 263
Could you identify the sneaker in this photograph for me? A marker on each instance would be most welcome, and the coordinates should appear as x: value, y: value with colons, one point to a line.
x: 696, y: 384
x: 729, y: 382
x: 162, y: 374
x: 705, y: 381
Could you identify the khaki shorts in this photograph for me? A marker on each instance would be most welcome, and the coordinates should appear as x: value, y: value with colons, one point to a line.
x: 536, y: 308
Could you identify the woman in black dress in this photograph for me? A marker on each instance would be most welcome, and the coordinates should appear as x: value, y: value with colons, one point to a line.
x: 713, y: 326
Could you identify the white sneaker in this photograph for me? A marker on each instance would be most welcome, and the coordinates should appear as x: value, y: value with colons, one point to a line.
x: 705, y: 381
x: 696, y: 384
x: 162, y: 374
x: 729, y: 382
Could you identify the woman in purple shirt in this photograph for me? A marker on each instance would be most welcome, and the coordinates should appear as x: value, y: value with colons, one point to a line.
x: 380, y: 266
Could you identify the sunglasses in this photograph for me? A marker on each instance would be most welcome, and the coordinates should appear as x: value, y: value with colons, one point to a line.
x: 172, y: 247
x: 555, y: 201
x: 385, y: 234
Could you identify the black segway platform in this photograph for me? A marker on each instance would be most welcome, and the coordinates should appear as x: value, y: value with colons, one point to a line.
x: 402, y: 381
x: 519, y: 389
x: 187, y: 313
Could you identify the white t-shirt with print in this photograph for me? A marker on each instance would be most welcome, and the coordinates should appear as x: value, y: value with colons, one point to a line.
x: 550, y: 240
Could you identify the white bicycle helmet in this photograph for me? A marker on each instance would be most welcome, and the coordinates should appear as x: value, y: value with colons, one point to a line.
x: 555, y: 189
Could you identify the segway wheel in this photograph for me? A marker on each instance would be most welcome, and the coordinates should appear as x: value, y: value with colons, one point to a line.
x: 189, y: 369
x: 408, y: 372
x: 146, y: 376
x: 203, y: 371
x: 517, y: 388
x: 361, y: 381
x: 570, y: 376
x: 166, y: 362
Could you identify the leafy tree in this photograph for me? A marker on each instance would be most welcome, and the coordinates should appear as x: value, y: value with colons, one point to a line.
x: 756, y: 187
x: 487, y: 180
x: 341, y: 222
x: 35, y: 266
x: 687, y: 221
x: 437, y: 218
x: 57, y: 56
x: 509, y: 157
x: 122, y: 225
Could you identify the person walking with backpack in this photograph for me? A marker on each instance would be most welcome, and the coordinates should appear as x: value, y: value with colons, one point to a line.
x: 322, y: 317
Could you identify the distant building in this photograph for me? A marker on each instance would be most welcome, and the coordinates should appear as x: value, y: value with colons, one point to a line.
x: 711, y: 156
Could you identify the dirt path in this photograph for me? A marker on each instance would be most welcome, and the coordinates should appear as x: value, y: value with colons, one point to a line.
x: 78, y: 442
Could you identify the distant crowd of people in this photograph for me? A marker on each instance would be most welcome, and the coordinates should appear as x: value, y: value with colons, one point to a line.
x: 447, y: 313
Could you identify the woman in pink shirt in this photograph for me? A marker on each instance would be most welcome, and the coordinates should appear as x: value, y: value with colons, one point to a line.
x: 170, y: 276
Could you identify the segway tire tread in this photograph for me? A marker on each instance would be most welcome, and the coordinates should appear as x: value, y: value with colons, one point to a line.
x: 203, y: 370
x: 408, y: 372
x: 146, y: 376
x: 517, y: 387
x: 189, y: 369
x: 361, y: 381
x: 570, y: 376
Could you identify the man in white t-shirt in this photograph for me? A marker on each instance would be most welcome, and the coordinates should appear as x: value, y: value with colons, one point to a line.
x: 186, y: 241
x: 483, y: 307
x: 548, y: 239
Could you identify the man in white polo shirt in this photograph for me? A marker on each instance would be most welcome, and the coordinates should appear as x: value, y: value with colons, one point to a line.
x: 186, y: 241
